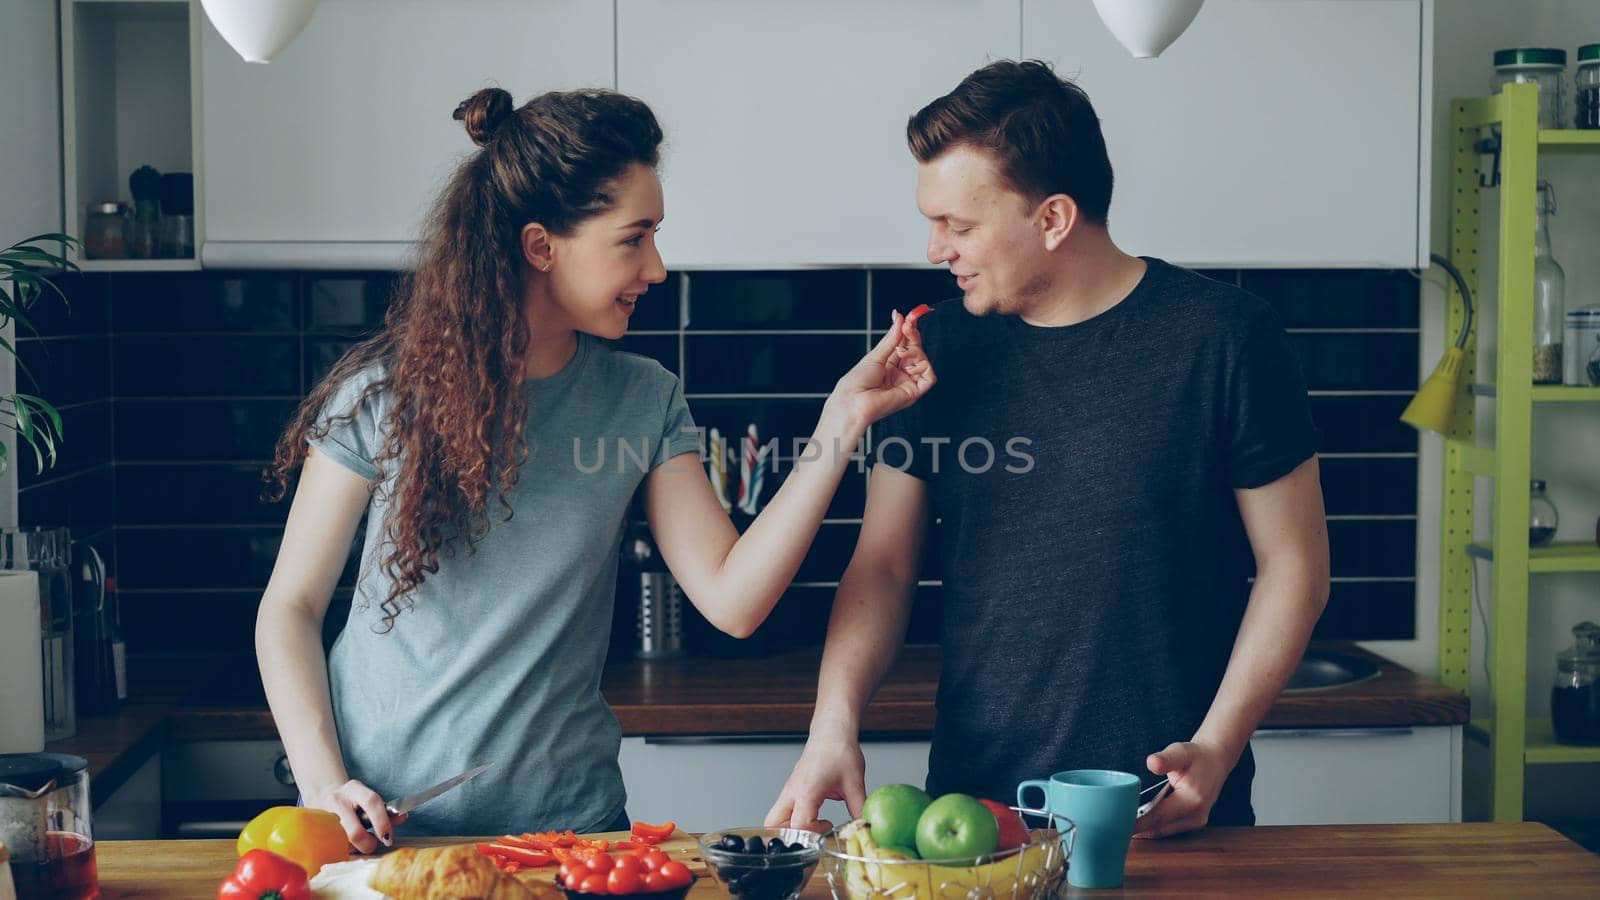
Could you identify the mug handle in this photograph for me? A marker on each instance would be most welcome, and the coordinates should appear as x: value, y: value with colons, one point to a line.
x: 1044, y: 788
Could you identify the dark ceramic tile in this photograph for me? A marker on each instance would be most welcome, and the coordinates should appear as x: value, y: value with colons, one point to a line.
x: 207, y: 366
x: 194, y: 494
x: 1346, y: 362
x: 85, y: 443
x: 86, y: 309
x: 1381, y: 549
x: 1363, y: 425
x: 663, y: 348
x: 1370, y: 611
x: 65, y: 371
x: 1333, y: 298
x: 776, y: 363
x: 784, y: 420
x: 823, y: 299
x: 321, y: 355
x: 205, y: 302
x: 195, y: 558
x: 81, y: 502
x: 1357, y: 487
x: 172, y: 430
x: 190, y: 623
x: 904, y: 289
x: 659, y: 308
x: 351, y: 304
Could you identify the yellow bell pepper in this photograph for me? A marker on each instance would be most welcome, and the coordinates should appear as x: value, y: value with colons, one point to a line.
x: 310, y: 838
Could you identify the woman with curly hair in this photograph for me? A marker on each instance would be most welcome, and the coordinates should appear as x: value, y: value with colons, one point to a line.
x: 466, y: 433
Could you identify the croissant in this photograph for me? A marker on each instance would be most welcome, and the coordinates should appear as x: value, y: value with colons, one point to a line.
x: 449, y: 873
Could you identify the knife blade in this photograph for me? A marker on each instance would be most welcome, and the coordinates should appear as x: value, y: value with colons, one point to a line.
x: 402, y: 805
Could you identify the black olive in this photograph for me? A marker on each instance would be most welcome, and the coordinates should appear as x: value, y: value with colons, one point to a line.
x: 732, y: 843
x: 797, y: 846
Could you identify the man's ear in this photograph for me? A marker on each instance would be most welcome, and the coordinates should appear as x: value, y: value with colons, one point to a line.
x: 537, y: 248
x: 1058, y: 216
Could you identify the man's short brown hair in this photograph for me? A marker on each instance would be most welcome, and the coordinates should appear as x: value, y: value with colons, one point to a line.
x: 1040, y: 129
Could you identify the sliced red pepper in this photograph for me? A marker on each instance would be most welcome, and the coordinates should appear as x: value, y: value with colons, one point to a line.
x: 533, y: 859
x: 921, y: 310
x: 628, y: 845
x: 653, y: 834
x: 599, y: 845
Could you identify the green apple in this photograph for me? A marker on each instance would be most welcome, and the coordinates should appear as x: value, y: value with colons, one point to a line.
x: 892, y: 812
x: 956, y: 827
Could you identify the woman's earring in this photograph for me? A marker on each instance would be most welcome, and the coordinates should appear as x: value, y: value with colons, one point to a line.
x: 546, y: 267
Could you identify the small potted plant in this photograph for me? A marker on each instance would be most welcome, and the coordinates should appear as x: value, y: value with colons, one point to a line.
x: 25, y: 270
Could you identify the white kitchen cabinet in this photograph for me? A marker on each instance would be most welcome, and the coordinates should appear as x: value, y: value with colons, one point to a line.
x: 340, y: 145
x: 1327, y: 776
x: 1272, y: 133
x: 786, y: 121
x: 708, y: 783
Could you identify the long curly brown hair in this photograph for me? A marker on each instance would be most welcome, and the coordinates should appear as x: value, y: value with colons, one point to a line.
x: 453, y: 343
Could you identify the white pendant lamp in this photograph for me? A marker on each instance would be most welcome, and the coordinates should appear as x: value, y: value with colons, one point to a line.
x: 1147, y: 27
x: 258, y: 29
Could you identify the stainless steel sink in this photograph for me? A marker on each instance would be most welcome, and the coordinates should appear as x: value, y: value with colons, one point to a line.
x: 1323, y: 671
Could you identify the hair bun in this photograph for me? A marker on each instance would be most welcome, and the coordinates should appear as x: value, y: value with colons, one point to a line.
x: 483, y: 113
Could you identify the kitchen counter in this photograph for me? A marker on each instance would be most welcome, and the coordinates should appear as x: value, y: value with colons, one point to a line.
x: 1477, y: 860
x: 772, y: 695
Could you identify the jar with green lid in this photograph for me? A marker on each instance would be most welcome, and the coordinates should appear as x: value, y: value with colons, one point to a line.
x: 1544, y: 66
x: 1587, y: 87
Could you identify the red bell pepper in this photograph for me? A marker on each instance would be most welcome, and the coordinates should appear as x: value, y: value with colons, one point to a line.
x: 264, y: 875
x: 921, y: 310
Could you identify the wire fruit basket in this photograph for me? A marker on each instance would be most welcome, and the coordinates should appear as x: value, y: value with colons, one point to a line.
x: 857, y: 869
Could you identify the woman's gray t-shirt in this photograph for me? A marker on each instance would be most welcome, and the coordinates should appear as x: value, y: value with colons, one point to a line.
x: 498, y: 659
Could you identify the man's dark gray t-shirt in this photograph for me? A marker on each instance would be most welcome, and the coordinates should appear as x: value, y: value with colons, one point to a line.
x: 1095, y: 567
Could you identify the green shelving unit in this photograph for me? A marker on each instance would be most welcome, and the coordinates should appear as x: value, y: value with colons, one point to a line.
x: 1513, y: 740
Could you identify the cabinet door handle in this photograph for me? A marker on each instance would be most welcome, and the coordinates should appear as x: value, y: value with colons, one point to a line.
x: 1400, y: 731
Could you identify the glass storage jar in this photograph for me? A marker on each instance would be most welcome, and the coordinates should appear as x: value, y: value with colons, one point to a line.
x: 1542, y: 516
x: 1544, y: 66
x: 1575, y: 699
x: 1586, y: 87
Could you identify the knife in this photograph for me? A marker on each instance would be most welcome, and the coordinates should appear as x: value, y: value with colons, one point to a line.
x: 403, y: 805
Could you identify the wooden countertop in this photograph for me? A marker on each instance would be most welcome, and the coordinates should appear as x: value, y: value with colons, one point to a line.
x: 1477, y: 860
x: 771, y: 695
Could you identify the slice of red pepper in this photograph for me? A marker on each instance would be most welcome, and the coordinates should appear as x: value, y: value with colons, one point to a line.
x: 532, y: 859
x: 653, y: 834
x: 921, y: 310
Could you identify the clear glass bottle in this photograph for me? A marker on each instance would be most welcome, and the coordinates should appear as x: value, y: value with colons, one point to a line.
x: 1542, y: 516
x: 1544, y: 66
x: 105, y: 231
x: 1575, y: 699
x: 1586, y: 87
x: 1549, y: 294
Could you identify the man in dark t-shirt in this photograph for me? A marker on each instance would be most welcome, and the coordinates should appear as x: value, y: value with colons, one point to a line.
x: 1113, y: 446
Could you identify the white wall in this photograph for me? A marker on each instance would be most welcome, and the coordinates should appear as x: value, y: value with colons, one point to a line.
x: 30, y: 154
x: 1566, y: 441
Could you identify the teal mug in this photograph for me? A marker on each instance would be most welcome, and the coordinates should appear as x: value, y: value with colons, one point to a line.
x: 1103, y: 805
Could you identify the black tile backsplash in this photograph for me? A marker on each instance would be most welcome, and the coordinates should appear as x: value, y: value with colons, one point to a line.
x: 176, y: 387
x: 789, y: 301
x: 768, y: 363
x: 207, y: 366
x: 199, y: 430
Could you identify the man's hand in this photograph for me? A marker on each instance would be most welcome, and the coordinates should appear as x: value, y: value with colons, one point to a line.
x: 1196, y: 771
x: 830, y: 768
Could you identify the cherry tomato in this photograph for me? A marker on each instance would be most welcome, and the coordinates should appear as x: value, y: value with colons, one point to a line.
x: 594, y: 884
x: 600, y: 864
x: 631, y: 864
x: 624, y: 881
x: 653, y: 881
x: 655, y: 859
x: 573, y: 880
x: 676, y: 874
